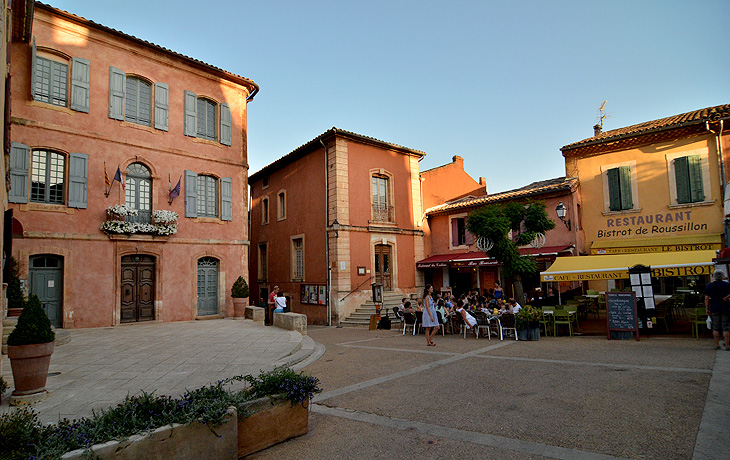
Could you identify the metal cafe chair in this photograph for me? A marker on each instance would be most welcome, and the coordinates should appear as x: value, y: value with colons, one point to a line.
x: 507, y: 324
x: 562, y: 318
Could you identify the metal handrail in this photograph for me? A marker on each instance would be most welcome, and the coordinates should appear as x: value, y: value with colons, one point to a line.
x: 348, y: 294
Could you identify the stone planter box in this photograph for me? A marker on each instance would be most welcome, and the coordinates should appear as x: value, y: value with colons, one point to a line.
x: 271, y: 421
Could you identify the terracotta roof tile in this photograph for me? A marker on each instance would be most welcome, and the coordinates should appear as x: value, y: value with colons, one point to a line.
x: 675, y: 121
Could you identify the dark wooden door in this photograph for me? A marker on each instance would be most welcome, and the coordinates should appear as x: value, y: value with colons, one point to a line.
x: 46, y: 281
x: 138, y: 288
x: 383, y: 266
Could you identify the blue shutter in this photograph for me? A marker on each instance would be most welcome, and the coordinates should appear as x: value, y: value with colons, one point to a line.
x: 162, y: 95
x: 117, y: 79
x: 681, y: 174
x: 32, y: 71
x: 191, y: 114
x: 191, y: 194
x: 226, y: 198
x: 225, y: 124
x: 19, y: 159
x: 80, y: 78
x: 78, y: 176
x: 697, y: 193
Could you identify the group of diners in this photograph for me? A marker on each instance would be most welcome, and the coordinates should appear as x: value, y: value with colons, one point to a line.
x: 436, y: 310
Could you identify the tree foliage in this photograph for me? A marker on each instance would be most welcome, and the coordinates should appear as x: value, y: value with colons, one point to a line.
x: 526, y: 222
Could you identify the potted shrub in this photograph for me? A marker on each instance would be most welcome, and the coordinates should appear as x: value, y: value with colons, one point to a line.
x: 528, y: 323
x: 239, y: 292
x: 3, y: 387
x: 30, y: 347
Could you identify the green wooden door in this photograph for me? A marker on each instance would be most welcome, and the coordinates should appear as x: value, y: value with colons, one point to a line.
x: 46, y: 281
x: 207, y: 286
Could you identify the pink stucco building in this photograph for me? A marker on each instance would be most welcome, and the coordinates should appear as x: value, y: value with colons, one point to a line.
x: 90, y: 103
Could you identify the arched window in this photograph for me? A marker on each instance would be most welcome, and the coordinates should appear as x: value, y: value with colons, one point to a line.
x: 207, y: 196
x: 139, y: 192
x: 47, y: 177
x: 138, y: 101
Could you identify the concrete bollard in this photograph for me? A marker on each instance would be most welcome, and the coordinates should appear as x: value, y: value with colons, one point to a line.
x: 256, y: 314
x: 291, y: 321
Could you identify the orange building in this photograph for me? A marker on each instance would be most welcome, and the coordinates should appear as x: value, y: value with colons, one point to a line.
x: 456, y: 262
x: 332, y: 217
x: 104, y: 125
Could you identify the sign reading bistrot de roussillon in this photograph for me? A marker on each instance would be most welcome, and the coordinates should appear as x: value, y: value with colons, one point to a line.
x: 657, y: 224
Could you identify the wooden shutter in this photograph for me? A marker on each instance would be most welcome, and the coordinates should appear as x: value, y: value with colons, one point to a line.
x: 19, y: 159
x: 117, y: 79
x: 681, y: 174
x: 80, y: 78
x: 225, y: 124
x: 454, y: 232
x: 627, y: 201
x: 78, y: 176
x: 468, y: 237
x: 162, y: 95
x: 614, y: 190
x: 697, y: 193
x: 191, y: 114
x: 226, y: 198
x: 32, y: 71
x: 191, y: 194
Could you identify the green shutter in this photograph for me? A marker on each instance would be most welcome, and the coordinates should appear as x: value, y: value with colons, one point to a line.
x: 225, y: 124
x: 614, y: 190
x: 226, y: 198
x: 191, y: 114
x: 681, y: 173
x: 626, y: 196
x: 117, y: 80
x: 694, y: 163
x: 78, y: 175
x: 162, y: 94
x: 191, y: 194
x: 80, y: 78
x: 19, y: 159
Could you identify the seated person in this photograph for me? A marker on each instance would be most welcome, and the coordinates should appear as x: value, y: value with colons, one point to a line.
x: 469, y: 320
x: 441, y: 311
x: 407, y: 307
x: 419, y: 305
x: 280, y: 303
x: 502, y: 307
x: 514, y: 306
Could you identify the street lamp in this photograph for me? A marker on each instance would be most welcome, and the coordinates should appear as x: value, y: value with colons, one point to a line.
x: 561, y: 211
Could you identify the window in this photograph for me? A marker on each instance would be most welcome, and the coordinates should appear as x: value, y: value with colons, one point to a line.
x: 139, y: 192
x: 207, y: 196
x: 265, y: 182
x: 130, y: 99
x: 382, y: 209
x: 47, y: 177
x: 47, y: 171
x: 138, y: 108
x: 281, y: 206
x: 619, y: 187
x: 263, y: 262
x: 460, y: 236
x: 201, y: 119
x: 202, y: 196
x: 50, y: 80
x: 264, y: 211
x: 297, y: 250
x: 688, y: 174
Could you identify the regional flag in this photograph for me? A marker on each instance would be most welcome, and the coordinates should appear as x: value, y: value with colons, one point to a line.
x: 118, y: 176
x: 174, y: 193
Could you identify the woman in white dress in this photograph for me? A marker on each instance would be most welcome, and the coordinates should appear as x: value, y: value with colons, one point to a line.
x: 430, y: 319
x: 469, y: 321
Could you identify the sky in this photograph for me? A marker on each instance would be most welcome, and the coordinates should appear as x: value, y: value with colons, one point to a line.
x: 503, y: 84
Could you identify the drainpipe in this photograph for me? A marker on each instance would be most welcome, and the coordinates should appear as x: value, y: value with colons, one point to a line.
x: 718, y: 145
x: 326, y: 234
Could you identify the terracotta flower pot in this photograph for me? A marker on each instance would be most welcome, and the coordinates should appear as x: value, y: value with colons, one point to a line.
x: 30, y: 365
x: 239, y: 306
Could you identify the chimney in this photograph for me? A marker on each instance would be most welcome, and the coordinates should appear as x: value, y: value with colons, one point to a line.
x: 457, y: 159
x: 597, y: 130
x: 482, y: 181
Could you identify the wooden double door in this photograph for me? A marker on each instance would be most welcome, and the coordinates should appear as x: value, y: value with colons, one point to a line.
x: 138, y: 288
x: 382, y: 265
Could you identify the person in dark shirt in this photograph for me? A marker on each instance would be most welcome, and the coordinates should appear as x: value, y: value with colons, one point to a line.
x: 717, y: 295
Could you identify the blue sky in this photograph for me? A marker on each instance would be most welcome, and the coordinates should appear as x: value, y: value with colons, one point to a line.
x: 502, y: 84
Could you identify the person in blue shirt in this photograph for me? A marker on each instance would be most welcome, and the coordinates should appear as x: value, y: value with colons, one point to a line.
x: 717, y: 295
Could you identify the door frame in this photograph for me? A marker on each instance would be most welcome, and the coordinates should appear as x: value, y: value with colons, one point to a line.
x: 129, y: 249
x: 23, y: 258
x: 223, y: 293
x: 137, y: 265
x: 388, y: 241
x: 61, y: 281
x: 217, y: 288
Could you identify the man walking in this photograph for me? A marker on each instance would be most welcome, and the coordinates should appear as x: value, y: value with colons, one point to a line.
x: 717, y: 295
x: 271, y: 305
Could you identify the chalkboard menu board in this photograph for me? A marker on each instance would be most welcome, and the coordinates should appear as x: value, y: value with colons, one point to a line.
x: 621, y: 314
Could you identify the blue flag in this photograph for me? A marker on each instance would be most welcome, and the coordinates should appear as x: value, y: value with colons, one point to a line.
x: 174, y: 193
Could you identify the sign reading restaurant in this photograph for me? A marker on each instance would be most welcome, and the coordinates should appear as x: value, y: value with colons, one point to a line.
x: 624, y: 274
x: 651, y: 224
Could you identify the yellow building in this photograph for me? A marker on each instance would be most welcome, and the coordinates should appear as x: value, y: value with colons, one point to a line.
x: 651, y: 194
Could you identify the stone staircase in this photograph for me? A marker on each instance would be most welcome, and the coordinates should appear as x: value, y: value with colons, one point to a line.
x: 361, y: 316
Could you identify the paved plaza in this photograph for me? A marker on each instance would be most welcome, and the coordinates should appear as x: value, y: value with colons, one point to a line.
x: 387, y: 395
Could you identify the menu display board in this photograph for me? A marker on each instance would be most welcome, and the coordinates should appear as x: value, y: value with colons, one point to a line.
x: 621, y: 314
x: 313, y: 294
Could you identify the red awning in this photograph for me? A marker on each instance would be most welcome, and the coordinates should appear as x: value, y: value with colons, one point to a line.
x: 545, y: 250
x: 437, y: 261
x: 472, y: 259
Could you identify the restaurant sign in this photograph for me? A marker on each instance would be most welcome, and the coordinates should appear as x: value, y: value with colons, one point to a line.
x: 431, y: 264
x: 474, y: 263
x: 624, y: 274
x: 659, y: 248
x: 651, y: 224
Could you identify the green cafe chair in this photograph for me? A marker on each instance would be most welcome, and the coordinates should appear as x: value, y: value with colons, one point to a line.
x: 546, y: 319
x: 697, y: 320
x: 562, y: 318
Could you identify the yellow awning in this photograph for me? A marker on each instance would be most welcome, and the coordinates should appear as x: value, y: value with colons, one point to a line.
x: 658, y: 244
x: 611, y: 267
